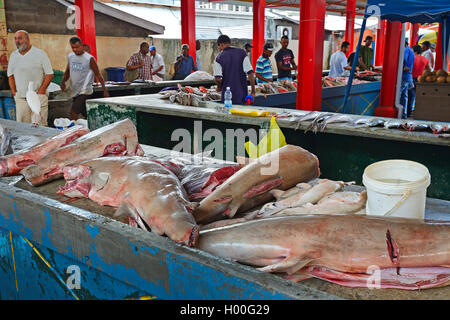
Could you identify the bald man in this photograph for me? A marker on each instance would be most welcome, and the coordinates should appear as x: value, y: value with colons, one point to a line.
x: 29, y: 64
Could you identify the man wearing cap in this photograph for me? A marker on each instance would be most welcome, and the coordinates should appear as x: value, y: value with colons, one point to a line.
x: 158, y: 66
x: 231, y: 68
x: 366, y: 54
x: 185, y: 64
x: 248, y: 48
x: 407, y: 80
x: 264, y: 66
x: 141, y: 61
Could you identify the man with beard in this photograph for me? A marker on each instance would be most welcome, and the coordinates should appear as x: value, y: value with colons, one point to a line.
x: 29, y: 64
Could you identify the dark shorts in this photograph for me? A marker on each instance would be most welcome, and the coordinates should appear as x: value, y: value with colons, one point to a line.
x: 79, y: 104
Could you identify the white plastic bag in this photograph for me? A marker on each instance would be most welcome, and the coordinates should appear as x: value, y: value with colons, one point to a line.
x: 34, y: 103
x: 199, y: 76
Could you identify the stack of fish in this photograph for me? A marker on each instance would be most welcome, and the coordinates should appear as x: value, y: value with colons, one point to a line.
x: 328, y: 82
x: 320, y: 120
x: 190, y: 96
x: 315, y: 228
x: 276, y: 87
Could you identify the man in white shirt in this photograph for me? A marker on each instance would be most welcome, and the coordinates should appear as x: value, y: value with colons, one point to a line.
x: 29, y: 64
x: 82, y: 69
x: 158, y: 65
x: 426, y: 48
x: 338, y: 61
x: 198, y: 46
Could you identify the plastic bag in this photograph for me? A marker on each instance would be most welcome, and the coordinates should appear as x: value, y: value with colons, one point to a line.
x: 273, y: 140
x: 199, y: 76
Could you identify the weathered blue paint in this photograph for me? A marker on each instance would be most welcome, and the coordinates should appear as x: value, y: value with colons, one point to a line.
x: 126, y: 276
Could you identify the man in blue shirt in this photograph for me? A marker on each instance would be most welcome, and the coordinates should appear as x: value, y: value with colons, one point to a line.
x: 185, y: 64
x: 264, y: 66
x: 338, y: 61
x: 407, y: 80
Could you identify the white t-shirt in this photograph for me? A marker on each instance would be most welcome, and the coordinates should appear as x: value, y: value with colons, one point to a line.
x: 31, y: 67
x: 429, y: 55
x: 81, y: 74
x: 338, y: 62
x: 158, y: 61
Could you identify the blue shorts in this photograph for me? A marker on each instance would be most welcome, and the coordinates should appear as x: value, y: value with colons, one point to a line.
x: 283, y: 79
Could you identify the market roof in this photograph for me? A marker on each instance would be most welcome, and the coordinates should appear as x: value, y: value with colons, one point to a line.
x: 338, y: 6
x: 152, y: 28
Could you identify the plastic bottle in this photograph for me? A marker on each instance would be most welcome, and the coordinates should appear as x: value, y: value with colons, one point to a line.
x: 227, y: 97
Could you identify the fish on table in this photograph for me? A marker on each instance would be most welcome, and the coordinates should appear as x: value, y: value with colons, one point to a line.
x: 117, y: 139
x: 368, y: 122
x: 249, y: 187
x: 411, y: 254
x: 199, y: 175
x: 141, y: 189
x: 338, y: 118
x: 5, y: 141
x: 308, y: 194
x: 12, y: 164
x: 317, y: 120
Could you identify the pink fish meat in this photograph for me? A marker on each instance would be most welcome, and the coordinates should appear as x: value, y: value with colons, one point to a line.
x: 346, y: 244
x: 117, y: 139
x: 12, y: 164
x: 250, y: 186
x: 142, y: 189
x: 390, y: 278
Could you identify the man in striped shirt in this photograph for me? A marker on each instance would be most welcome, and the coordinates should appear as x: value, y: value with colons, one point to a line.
x: 264, y: 66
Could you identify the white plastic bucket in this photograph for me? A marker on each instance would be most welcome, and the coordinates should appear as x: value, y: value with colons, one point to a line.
x: 396, y: 188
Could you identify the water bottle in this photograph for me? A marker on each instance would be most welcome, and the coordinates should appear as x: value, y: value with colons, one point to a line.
x: 228, y: 104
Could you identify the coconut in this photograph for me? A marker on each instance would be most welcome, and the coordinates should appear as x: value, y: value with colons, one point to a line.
x: 441, y: 73
x: 430, y: 79
x: 441, y: 79
x: 426, y: 73
x: 448, y: 79
x: 421, y: 79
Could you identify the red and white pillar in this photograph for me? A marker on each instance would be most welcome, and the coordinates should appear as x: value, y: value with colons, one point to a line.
x: 85, y: 17
x: 414, y: 34
x: 350, y: 24
x: 390, y: 66
x: 381, y: 39
x: 310, y: 60
x: 259, y: 7
x: 188, y: 26
x: 439, y: 63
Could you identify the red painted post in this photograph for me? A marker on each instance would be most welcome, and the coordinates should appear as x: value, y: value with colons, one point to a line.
x: 439, y: 63
x: 310, y: 60
x: 381, y: 39
x: 390, y: 64
x: 85, y: 17
x: 350, y: 24
x: 188, y: 26
x: 414, y: 35
x: 259, y: 18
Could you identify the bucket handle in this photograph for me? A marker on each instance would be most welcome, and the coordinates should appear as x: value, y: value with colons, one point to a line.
x: 399, y: 203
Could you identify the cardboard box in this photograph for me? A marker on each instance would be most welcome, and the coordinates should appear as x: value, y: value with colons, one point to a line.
x: 432, y: 102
